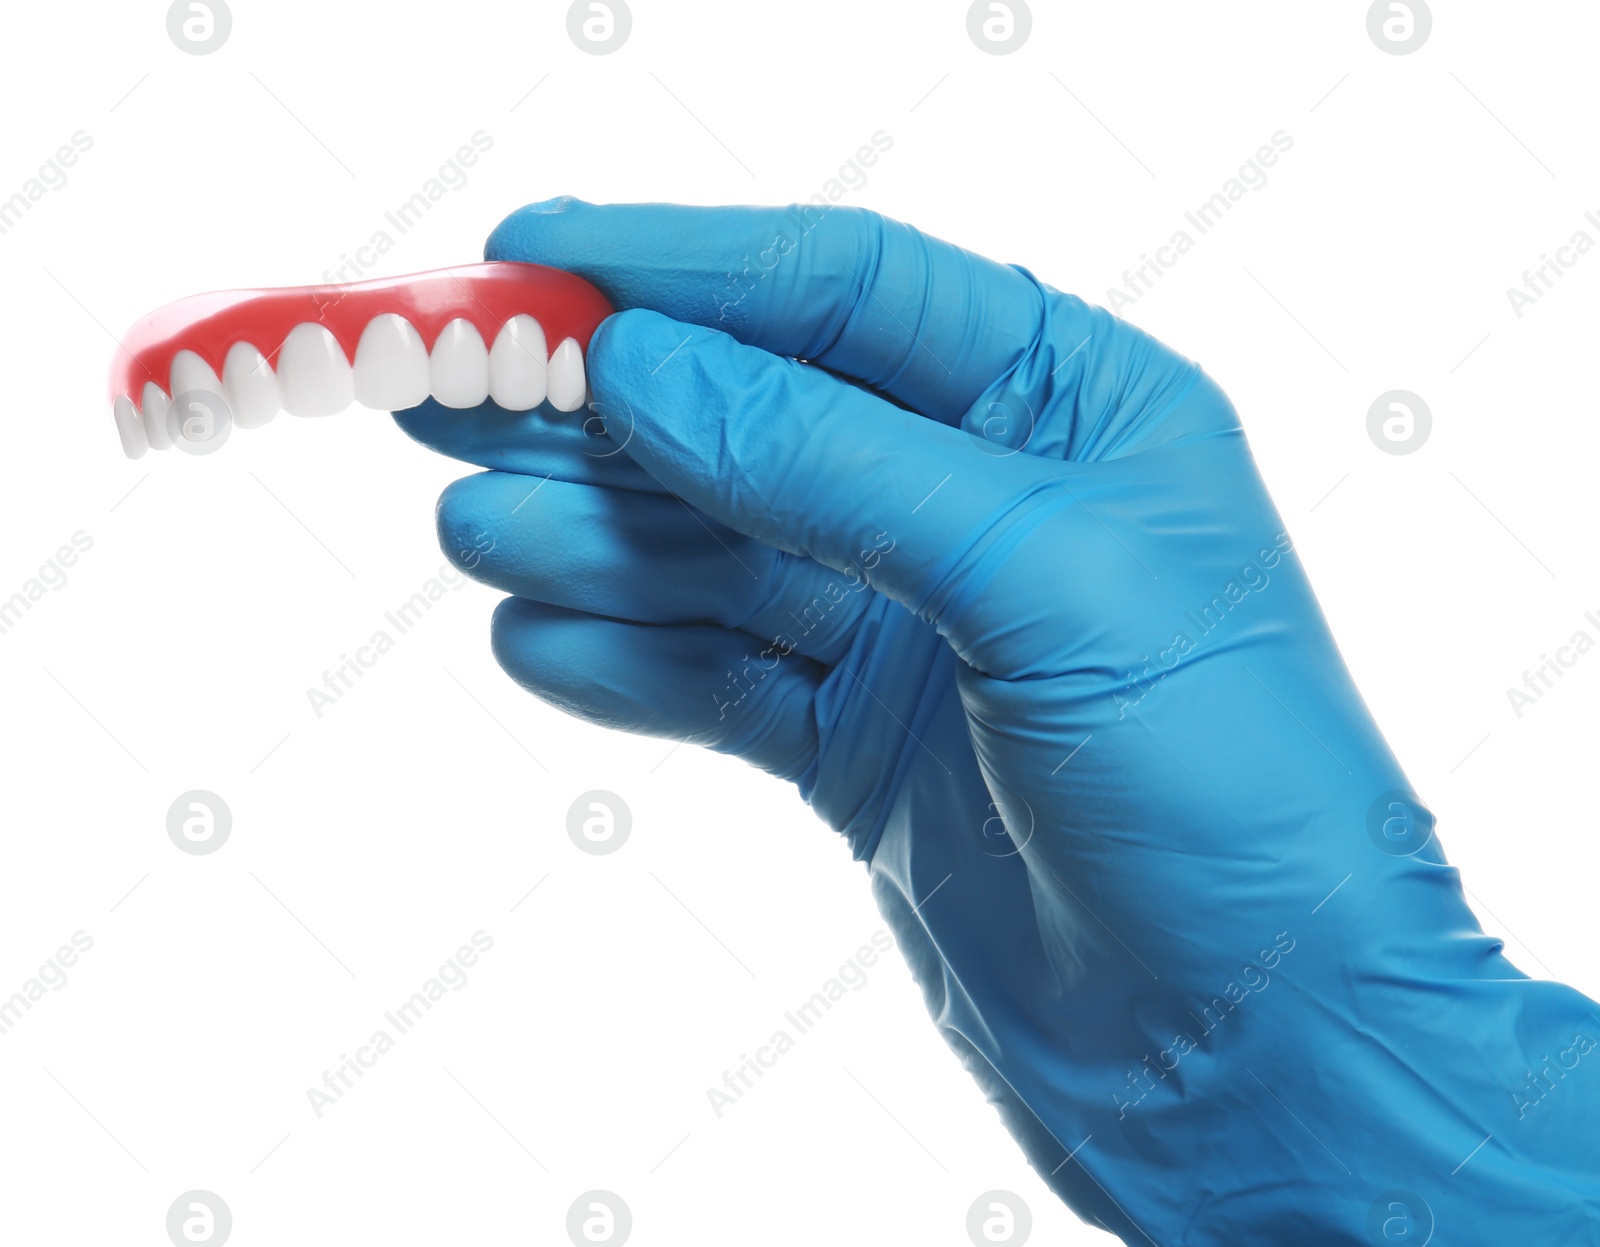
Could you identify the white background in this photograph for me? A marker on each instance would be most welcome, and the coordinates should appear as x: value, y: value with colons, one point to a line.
x: 370, y: 843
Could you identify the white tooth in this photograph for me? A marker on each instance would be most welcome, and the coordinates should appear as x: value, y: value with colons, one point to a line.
x: 190, y: 372
x: 391, y: 365
x: 134, y: 442
x: 459, y: 366
x: 518, y: 366
x: 567, y: 382
x: 200, y: 421
x: 153, y: 413
x: 250, y: 387
x: 314, y: 377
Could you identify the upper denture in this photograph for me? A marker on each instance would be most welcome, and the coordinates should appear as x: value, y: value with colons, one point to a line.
x: 516, y: 333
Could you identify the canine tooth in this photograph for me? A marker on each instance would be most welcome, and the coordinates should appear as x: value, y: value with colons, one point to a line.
x: 391, y: 365
x: 314, y: 377
x: 153, y: 411
x: 190, y: 372
x: 518, y: 365
x: 193, y: 377
x: 134, y: 442
x: 459, y: 366
x: 249, y: 386
x: 567, y: 382
x: 200, y: 421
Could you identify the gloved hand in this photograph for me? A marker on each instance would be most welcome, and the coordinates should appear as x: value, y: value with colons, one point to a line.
x: 993, y: 579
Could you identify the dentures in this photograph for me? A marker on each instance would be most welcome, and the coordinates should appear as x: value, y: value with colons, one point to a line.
x: 514, y: 333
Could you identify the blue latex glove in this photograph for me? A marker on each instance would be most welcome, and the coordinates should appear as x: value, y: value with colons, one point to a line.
x: 994, y: 580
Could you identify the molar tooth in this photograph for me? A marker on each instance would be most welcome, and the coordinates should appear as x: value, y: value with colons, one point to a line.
x: 459, y: 366
x: 391, y: 365
x: 567, y: 382
x: 153, y: 414
x: 249, y: 386
x: 134, y: 442
x: 314, y: 377
x: 518, y: 365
